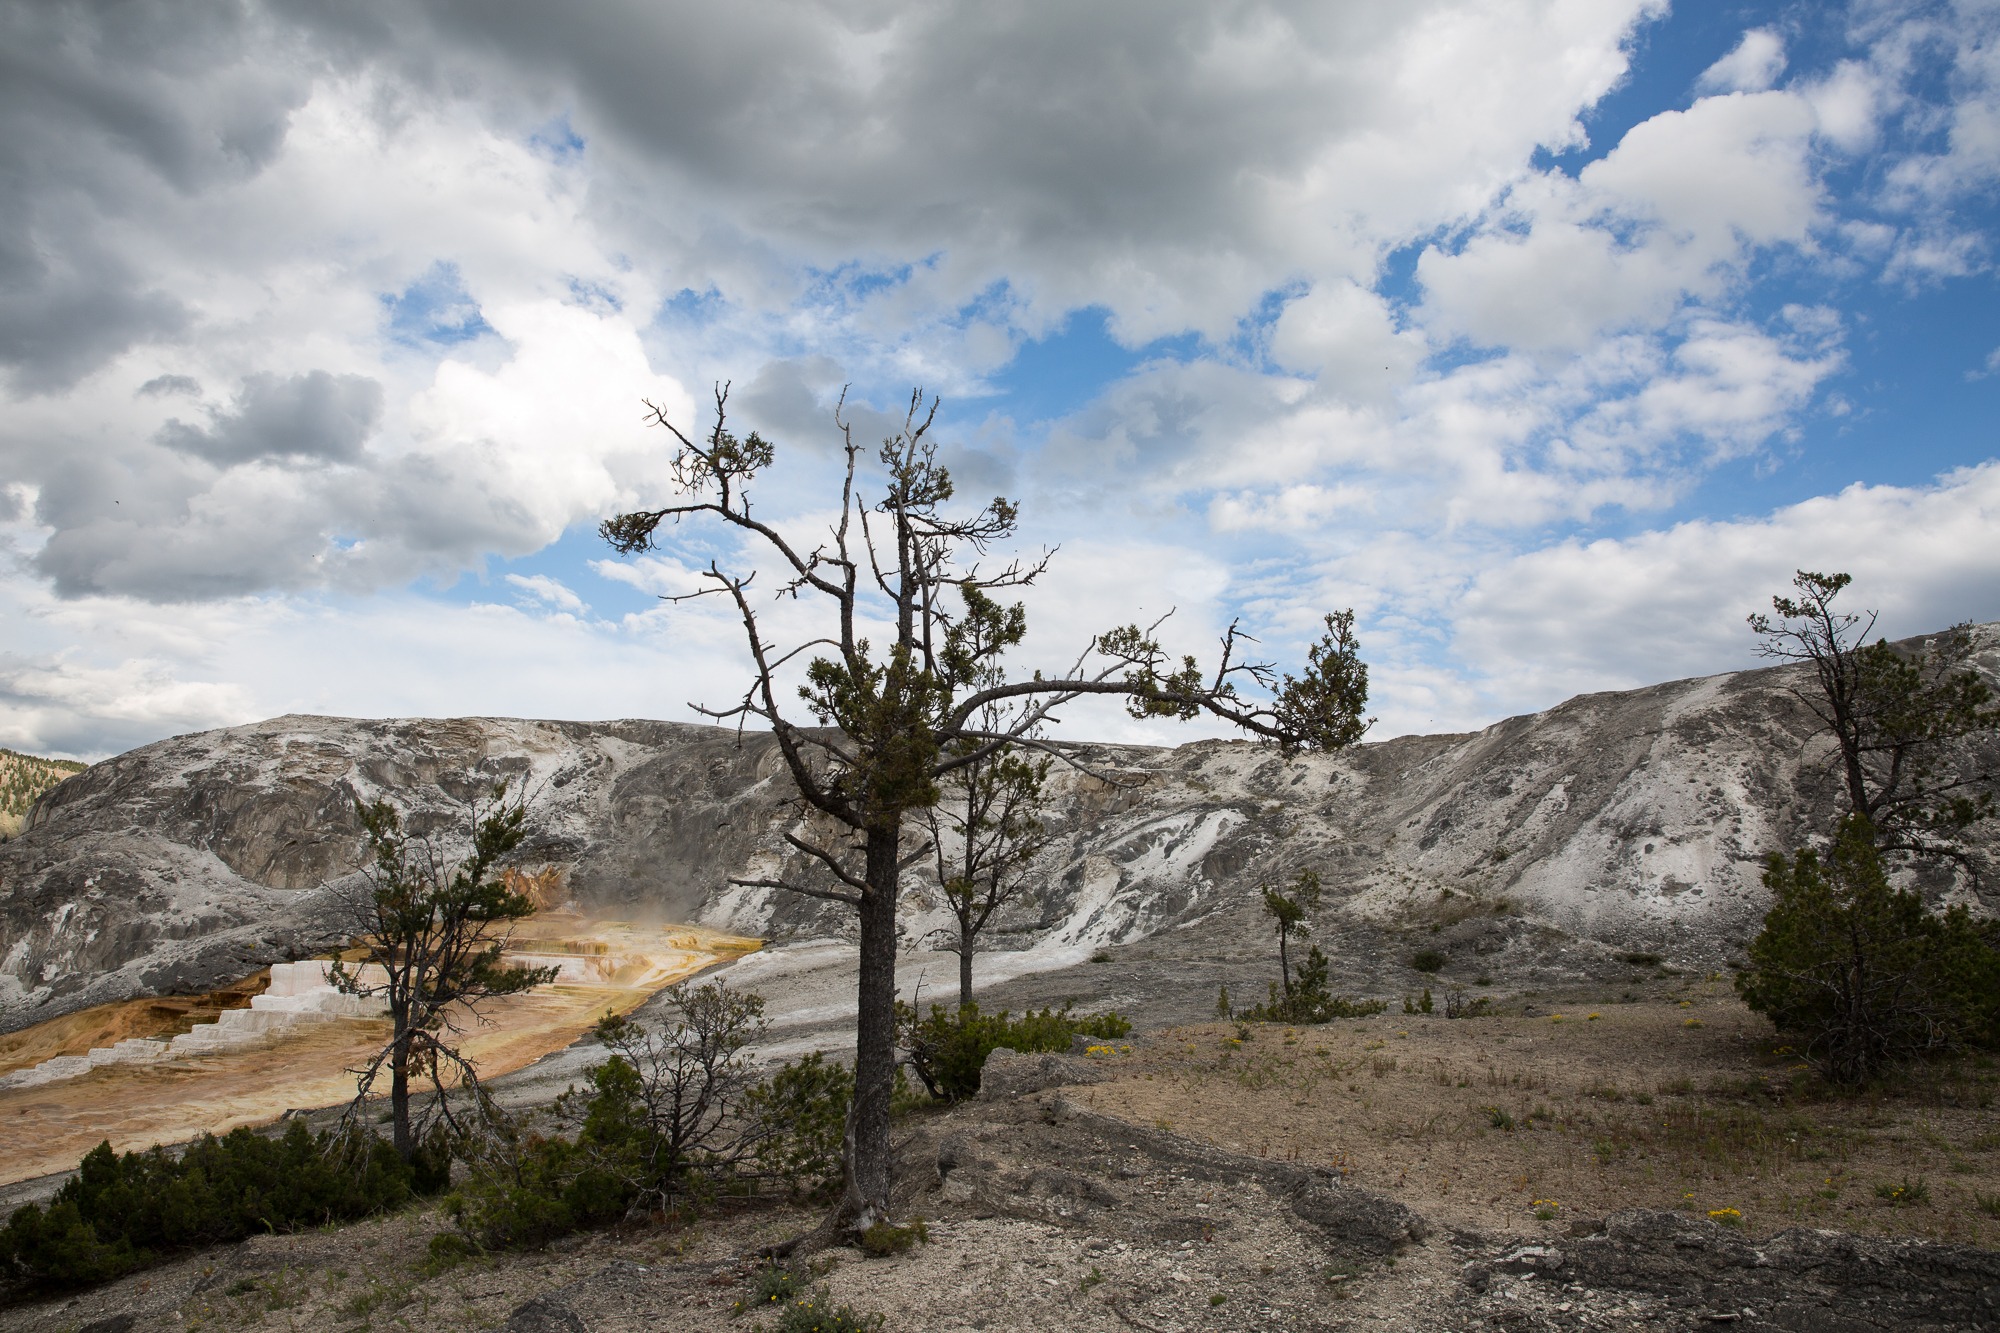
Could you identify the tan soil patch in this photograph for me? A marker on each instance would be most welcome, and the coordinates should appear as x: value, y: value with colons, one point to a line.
x: 1643, y: 1105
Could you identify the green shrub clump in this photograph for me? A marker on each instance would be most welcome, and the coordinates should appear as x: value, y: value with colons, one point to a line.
x: 1429, y: 960
x: 885, y: 1238
x: 948, y: 1050
x: 803, y: 1111
x: 123, y: 1213
x: 1861, y: 972
x: 524, y: 1190
x: 774, y: 1287
x: 677, y: 1116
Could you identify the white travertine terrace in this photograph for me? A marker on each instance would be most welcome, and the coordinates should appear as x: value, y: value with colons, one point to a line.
x: 300, y: 994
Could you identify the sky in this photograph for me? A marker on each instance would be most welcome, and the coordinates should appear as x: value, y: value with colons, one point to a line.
x: 1551, y: 336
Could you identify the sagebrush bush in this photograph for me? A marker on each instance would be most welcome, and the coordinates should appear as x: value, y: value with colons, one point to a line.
x: 818, y: 1314
x: 774, y: 1287
x: 123, y: 1213
x: 949, y: 1049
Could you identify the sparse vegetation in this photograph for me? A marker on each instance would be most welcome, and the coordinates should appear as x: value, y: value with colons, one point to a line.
x: 673, y: 1119
x: 1459, y: 1004
x: 947, y: 1050
x: 816, y: 1313
x: 1311, y: 999
x: 1905, y: 1193
x: 773, y: 1287
x: 1477, y: 1121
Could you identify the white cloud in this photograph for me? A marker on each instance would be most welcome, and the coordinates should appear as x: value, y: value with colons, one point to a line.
x: 1670, y: 214
x: 400, y: 273
x: 1847, y: 104
x: 1347, y: 336
x: 1752, y: 66
x: 550, y: 592
x: 61, y: 707
x: 1625, y: 612
x: 1291, y: 509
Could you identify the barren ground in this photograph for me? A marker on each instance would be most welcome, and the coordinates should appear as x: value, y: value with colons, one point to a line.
x: 1604, y: 1107
x: 1158, y: 1191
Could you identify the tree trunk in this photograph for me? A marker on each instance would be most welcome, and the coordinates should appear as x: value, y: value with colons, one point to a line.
x: 1284, y: 962
x: 868, y: 1154
x: 964, y: 970
x: 399, y: 1086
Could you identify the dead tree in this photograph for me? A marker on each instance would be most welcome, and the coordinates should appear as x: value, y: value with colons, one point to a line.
x: 900, y: 681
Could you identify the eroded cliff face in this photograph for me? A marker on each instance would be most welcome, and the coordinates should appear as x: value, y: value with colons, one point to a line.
x: 1635, y: 819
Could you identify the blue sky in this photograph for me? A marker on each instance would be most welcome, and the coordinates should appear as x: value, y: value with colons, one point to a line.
x: 1550, y: 337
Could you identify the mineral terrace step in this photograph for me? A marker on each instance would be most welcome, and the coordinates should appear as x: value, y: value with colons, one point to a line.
x: 304, y: 1000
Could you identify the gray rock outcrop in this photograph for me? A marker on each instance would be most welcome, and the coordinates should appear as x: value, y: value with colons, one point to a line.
x: 1638, y: 820
x: 1803, y: 1280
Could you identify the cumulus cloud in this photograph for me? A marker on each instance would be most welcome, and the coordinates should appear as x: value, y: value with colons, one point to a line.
x: 550, y: 592
x: 102, y: 111
x: 1752, y: 66
x: 1629, y: 611
x: 301, y: 303
x: 59, y: 706
x: 162, y: 385
x: 1347, y: 337
x: 1683, y: 201
x: 309, y: 481
x: 1170, y: 162
x: 314, y: 417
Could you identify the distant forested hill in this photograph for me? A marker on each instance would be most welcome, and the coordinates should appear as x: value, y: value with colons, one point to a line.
x: 24, y: 777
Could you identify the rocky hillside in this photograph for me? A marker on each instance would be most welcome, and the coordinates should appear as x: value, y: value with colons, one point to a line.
x: 1619, y: 821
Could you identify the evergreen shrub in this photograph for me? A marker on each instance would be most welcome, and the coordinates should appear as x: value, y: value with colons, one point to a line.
x: 948, y: 1049
x: 1860, y: 972
x: 123, y: 1213
x: 524, y: 1190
